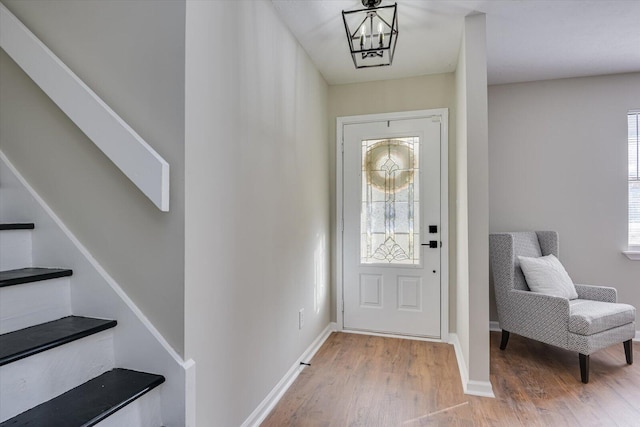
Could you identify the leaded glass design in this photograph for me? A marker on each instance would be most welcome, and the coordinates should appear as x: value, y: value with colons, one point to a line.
x: 389, y: 218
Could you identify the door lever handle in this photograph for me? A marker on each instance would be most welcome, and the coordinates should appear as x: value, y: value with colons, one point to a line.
x: 433, y: 244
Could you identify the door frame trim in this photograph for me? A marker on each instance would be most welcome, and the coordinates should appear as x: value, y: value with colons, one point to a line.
x: 443, y: 113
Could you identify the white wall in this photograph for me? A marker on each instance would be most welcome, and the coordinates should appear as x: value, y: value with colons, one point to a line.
x: 132, y: 55
x: 257, y: 204
x: 473, y: 205
x: 415, y: 93
x: 558, y: 161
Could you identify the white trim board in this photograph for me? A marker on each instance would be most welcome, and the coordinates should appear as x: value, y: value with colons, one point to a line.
x: 444, y: 205
x: 272, y: 399
x: 190, y: 393
x: 472, y: 387
x: 111, y: 134
x: 494, y: 325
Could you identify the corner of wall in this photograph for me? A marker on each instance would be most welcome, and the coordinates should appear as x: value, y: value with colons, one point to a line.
x: 472, y: 205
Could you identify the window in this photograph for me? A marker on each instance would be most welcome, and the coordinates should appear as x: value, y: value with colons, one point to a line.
x: 633, y: 119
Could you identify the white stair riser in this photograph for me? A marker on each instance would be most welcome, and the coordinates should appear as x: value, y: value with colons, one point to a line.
x: 142, y: 412
x: 36, y: 379
x: 29, y: 304
x: 15, y: 249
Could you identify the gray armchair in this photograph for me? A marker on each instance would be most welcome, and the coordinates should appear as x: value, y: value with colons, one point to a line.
x: 593, y: 321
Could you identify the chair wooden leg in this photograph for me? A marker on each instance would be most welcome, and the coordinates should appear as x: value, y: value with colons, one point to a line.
x: 628, y: 351
x: 505, y: 339
x: 584, y: 367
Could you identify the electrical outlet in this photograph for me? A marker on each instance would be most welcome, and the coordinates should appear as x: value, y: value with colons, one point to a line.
x: 300, y: 318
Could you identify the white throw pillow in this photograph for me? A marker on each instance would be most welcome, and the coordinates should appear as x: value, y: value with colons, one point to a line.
x: 546, y: 275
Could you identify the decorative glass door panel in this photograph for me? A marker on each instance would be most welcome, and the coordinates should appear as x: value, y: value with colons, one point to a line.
x: 390, y: 213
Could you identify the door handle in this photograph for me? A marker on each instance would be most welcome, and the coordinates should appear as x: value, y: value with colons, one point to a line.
x: 433, y: 244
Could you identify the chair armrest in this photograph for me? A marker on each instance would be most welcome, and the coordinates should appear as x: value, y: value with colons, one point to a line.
x: 541, y: 317
x: 597, y: 293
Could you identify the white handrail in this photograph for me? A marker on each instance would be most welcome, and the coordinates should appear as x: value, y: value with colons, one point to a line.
x: 126, y: 149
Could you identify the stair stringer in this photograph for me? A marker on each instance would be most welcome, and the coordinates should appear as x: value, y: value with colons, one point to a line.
x: 137, y: 343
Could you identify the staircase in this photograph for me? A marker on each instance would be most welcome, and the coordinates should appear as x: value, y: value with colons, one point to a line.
x: 57, y: 369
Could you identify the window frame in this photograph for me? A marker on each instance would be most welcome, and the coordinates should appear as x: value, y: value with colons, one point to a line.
x: 633, y: 251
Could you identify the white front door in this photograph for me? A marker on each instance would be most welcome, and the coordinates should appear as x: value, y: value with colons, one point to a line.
x: 392, y: 226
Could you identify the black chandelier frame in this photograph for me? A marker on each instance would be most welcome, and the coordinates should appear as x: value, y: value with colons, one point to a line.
x: 363, y: 46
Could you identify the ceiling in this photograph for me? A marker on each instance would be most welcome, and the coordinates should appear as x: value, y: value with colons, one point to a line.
x: 527, y: 40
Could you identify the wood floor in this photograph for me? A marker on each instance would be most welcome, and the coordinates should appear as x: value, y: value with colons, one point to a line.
x: 359, y: 380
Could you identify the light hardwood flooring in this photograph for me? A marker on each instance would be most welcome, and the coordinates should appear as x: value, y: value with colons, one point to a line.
x: 360, y: 380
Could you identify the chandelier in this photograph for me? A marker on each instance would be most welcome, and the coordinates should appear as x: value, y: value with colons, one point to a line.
x: 372, y: 33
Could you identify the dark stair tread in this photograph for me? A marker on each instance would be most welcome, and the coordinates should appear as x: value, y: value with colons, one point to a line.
x: 31, y: 274
x: 17, y: 226
x: 91, y: 402
x: 35, y: 339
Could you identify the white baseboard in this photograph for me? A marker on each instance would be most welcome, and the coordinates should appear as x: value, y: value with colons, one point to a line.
x: 479, y: 388
x: 269, y: 402
x: 472, y: 387
x: 462, y: 366
x: 190, y: 393
x: 334, y: 327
